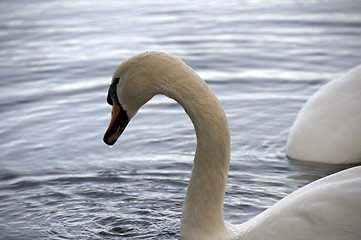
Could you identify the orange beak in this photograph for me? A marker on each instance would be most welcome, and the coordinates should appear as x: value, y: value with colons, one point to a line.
x: 118, y: 122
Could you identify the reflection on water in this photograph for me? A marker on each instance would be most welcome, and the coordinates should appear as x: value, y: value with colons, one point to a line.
x: 263, y: 60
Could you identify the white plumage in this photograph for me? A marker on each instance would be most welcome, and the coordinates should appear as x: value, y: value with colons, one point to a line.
x: 327, y: 209
x: 328, y: 127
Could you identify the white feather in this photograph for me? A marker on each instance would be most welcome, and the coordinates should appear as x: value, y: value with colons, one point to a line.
x: 328, y: 127
x: 327, y: 209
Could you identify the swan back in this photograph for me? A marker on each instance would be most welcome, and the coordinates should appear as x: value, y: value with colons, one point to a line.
x: 328, y: 127
x: 327, y: 209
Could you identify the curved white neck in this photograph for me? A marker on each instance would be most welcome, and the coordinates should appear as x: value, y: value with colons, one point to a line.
x: 203, y: 207
x: 154, y: 73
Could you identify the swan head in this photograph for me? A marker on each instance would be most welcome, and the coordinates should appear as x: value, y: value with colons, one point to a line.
x: 131, y: 88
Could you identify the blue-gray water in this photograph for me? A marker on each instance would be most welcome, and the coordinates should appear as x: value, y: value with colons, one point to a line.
x: 263, y: 59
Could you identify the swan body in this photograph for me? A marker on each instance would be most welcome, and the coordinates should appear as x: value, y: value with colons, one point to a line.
x: 329, y: 208
x: 328, y: 127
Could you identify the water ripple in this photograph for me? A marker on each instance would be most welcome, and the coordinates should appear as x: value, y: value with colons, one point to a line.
x: 263, y: 61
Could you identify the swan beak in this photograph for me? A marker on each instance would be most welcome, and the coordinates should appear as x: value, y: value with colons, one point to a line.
x: 117, y: 124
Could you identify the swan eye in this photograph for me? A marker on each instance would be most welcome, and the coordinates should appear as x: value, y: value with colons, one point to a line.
x: 116, y: 81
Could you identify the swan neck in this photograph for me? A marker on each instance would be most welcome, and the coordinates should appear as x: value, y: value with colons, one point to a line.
x: 203, y: 207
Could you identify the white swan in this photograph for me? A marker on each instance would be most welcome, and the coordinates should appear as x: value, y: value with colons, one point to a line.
x: 327, y: 209
x: 328, y: 127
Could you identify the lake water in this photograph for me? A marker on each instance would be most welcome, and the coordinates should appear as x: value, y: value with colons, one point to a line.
x: 263, y: 59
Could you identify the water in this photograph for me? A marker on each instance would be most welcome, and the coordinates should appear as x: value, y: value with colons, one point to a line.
x: 58, y: 180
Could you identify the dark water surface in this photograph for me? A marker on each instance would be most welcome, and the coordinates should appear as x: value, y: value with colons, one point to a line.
x: 263, y: 59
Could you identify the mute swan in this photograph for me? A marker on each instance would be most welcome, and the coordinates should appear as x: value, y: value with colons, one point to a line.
x: 328, y: 127
x: 327, y: 209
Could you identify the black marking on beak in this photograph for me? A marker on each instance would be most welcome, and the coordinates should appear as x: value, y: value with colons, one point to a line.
x: 112, y: 92
x: 119, y: 119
